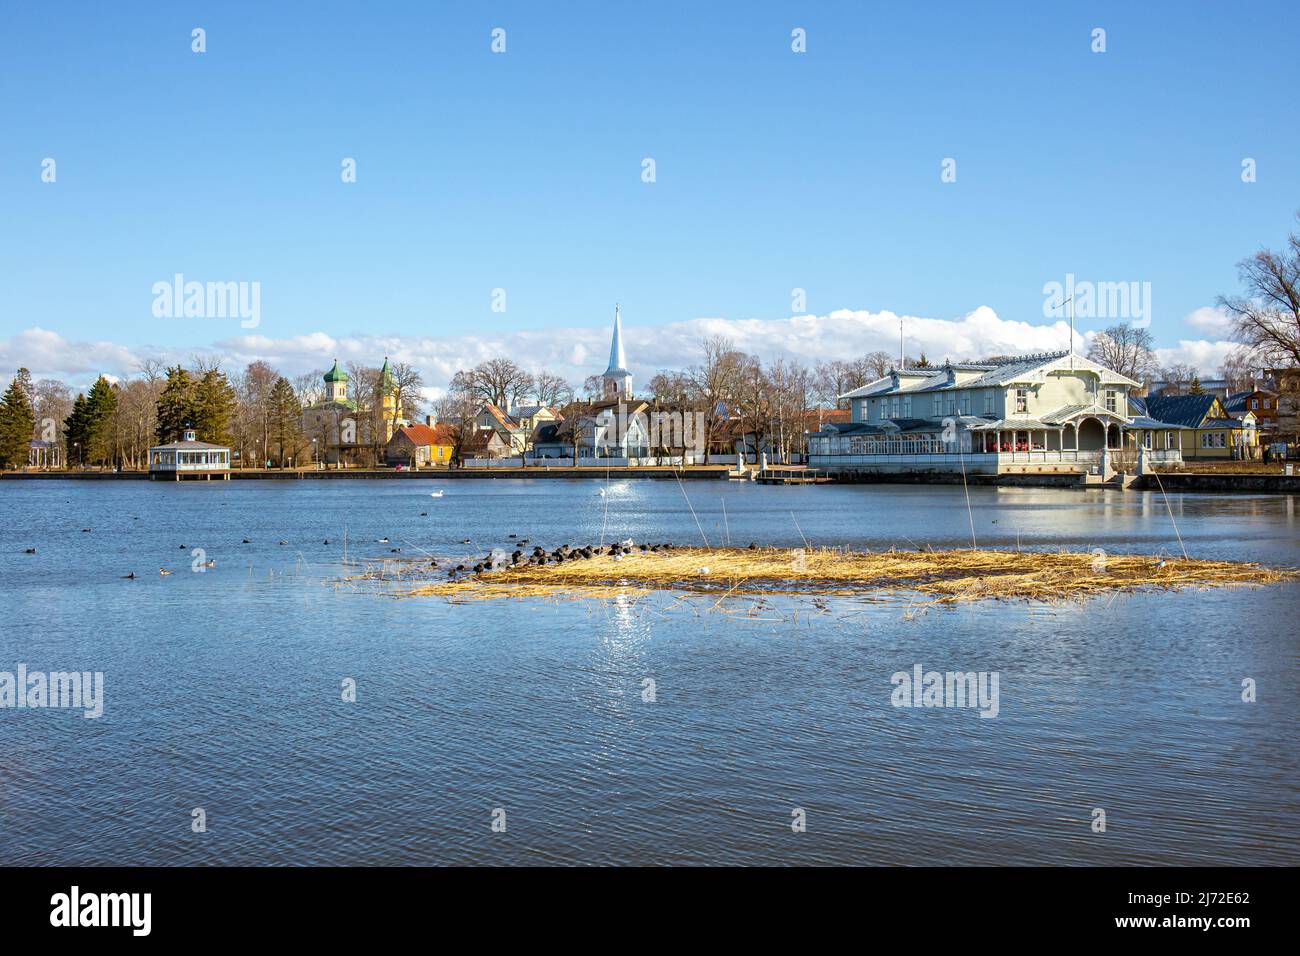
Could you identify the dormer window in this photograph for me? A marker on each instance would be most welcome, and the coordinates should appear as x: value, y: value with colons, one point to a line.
x: 1022, y: 401
x: 188, y: 434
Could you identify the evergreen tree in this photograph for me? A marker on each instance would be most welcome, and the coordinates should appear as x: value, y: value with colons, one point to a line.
x: 17, y: 422
x: 101, y: 404
x: 285, y: 417
x: 176, y: 406
x: 1195, y: 388
x: 77, y: 427
x: 215, y: 402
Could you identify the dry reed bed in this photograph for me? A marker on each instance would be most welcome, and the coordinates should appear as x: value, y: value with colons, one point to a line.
x: 947, y: 576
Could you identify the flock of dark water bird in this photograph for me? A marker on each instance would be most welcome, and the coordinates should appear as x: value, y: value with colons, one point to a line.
x: 496, y: 560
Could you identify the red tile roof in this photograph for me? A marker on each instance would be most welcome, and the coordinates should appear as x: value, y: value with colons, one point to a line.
x: 424, y: 435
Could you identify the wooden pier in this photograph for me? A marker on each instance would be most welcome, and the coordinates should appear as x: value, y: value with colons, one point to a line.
x: 792, y: 476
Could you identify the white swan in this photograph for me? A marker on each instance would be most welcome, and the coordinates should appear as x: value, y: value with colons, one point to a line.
x: 435, y: 494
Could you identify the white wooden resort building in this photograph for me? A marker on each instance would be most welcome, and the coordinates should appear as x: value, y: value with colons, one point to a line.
x: 1056, y: 412
x: 188, y: 458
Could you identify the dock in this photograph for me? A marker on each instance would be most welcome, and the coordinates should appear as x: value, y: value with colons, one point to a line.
x: 792, y: 476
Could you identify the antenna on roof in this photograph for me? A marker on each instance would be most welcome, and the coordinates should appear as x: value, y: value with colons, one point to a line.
x: 902, y: 355
x: 1069, y: 300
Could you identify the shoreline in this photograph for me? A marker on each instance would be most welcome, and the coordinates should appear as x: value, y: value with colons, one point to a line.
x: 1206, y: 482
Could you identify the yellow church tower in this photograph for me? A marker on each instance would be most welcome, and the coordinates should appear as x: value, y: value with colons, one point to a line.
x: 389, y: 404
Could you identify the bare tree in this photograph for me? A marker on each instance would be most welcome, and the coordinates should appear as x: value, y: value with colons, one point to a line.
x: 408, y: 387
x: 551, y: 390
x: 876, y: 365
x: 714, y: 384
x: 498, y: 381
x: 457, y: 409
x: 671, y: 389
x: 1239, y: 371
x: 1125, y: 349
x: 1266, y: 319
x: 1178, y: 378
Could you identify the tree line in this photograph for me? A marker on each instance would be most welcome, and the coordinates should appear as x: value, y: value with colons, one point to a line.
x: 258, y: 411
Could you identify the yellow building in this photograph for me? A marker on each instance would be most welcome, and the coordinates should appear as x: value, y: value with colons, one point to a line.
x: 1207, y: 431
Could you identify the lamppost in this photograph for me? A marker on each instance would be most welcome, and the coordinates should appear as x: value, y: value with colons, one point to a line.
x: 313, y: 453
x: 77, y: 446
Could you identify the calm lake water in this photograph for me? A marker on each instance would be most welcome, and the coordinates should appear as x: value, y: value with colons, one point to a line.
x: 222, y: 688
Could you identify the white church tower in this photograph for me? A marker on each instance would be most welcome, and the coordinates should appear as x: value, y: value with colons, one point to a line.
x: 617, y: 379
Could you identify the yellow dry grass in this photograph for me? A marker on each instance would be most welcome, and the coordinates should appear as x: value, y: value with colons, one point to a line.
x: 946, y: 576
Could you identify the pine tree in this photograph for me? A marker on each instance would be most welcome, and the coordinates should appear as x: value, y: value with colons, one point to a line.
x: 17, y: 422
x: 1195, y: 388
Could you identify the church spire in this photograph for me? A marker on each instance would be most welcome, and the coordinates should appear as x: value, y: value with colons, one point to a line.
x: 617, y: 361
x: 618, y: 380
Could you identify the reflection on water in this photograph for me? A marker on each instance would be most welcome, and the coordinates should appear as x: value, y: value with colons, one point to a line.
x: 223, y: 687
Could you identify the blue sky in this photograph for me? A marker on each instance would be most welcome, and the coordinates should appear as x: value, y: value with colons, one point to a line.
x: 522, y: 171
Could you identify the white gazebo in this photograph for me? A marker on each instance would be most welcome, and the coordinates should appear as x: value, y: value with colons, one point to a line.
x: 188, y: 458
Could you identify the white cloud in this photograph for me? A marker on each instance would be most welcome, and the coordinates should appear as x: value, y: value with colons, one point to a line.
x: 50, y: 355
x: 1202, y: 355
x: 1215, y: 321
x: 579, y: 352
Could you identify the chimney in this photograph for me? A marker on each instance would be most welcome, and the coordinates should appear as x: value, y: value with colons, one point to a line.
x: 431, y: 420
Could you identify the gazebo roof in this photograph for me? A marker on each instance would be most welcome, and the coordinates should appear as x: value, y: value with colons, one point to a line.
x: 189, y: 446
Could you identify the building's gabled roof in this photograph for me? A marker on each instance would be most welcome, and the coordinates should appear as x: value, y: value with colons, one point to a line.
x: 188, y: 446
x: 1067, y: 413
x: 549, y: 433
x: 532, y: 411
x: 1146, y: 421
x: 1236, y: 402
x: 425, y: 435
x: 1012, y: 425
x: 1028, y: 370
x: 1186, y: 410
x: 853, y: 428
x: 877, y: 387
x: 504, y: 420
x: 481, y: 440
x: 1036, y: 368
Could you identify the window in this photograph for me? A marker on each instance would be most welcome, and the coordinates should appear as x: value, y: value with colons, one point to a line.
x: 988, y: 403
x: 893, y: 407
x: 1022, y: 401
x: 1266, y: 403
x: 949, y: 404
x: 1112, y: 400
x: 965, y: 403
x: 1254, y: 403
x: 907, y: 407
